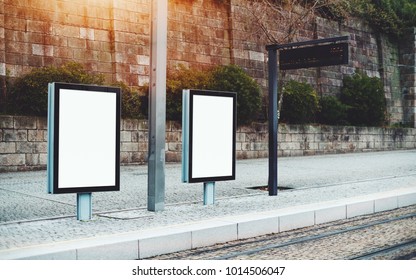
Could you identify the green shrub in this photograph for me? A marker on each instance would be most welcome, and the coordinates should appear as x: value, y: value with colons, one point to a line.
x: 300, y: 103
x: 365, y: 98
x: 4, y: 102
x: 249, y: 100
x: 28, y: 94
x: 222, y: 78
x: 332, y: 111
x: 177, y: 80
x: 130, y: 102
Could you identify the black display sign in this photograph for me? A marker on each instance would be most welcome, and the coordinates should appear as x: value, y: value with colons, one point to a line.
x: 315, y: 56
x: 209, y: 125
x: 83, y: 138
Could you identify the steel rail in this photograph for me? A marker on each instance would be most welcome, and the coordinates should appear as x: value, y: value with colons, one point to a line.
x: 387, y: 250
x: 315, y: 237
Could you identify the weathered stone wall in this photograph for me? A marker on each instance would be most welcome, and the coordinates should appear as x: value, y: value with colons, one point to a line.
x: 23, y: 141
x: 408, y: 77
x: 199, y: 33
x: 304, y: 140
x: 369, y: 52
x: 112, y: 37
x: 109, y: 37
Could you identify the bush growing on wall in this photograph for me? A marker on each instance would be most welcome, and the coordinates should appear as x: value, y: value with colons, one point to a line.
x: 28, y: 95
x: 177, y: 80
x: 223, y: 78
x: 332, y: 111
x: 130, y: 102
x: 233, y: 78
x: 300, y: 103
x: 365, y: 99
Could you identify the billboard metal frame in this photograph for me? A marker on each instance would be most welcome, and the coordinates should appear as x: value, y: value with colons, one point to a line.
x: 55, y: 132
x: 190, y: 129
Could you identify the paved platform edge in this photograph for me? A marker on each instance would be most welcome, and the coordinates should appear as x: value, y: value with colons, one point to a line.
x: 169, y: 239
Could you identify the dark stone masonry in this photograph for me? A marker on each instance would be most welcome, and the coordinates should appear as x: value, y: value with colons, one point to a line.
x: 23, y: 141
x: 113, y: 38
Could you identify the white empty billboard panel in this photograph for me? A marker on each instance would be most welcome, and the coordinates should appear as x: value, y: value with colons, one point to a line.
x: 212, y: 134
x: 86, y: 145
x: 209, y: 124
x: 84, y: 141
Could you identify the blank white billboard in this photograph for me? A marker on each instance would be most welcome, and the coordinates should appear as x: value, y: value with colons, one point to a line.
x: 209, y: 136
x: 84, y: 140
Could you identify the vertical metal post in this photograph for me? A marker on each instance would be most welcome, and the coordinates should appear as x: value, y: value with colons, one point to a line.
x: 51, y: 133
x: 185, y: 134
x: 209, y: 193
x: 157, y: 107
x: 84, y: 206
x: 273, y: 125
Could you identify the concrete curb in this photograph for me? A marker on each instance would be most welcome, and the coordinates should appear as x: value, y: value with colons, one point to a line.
x: 153, y: 242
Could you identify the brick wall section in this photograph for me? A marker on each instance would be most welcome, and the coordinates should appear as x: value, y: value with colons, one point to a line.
x: 23, y: 141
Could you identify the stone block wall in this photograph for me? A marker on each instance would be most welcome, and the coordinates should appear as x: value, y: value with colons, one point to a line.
x: 113, y: 38
x: 134, y: 141
x: 300, y: 140
x: 23, y: 141
x: 408, y: 77
x: 199, y: 33
x: 306, y: 140
x: 109, y: 37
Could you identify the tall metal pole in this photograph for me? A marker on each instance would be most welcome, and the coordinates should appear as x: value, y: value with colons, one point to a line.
x: 273, y: 121
x: 157, y: 107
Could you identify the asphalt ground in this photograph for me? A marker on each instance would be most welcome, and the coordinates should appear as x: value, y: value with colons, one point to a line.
x: 31, y: 217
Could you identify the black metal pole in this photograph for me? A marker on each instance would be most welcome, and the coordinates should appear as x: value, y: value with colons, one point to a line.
x: 273, y: 106
x: 272, y: 66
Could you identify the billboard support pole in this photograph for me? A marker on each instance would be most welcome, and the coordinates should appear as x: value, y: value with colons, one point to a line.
x: 84, y: 206
x: 209, y: 193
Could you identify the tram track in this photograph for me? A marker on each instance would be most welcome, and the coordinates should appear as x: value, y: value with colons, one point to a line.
x: 315, y: 237
x: 389, y: 250
x: 258, y: 247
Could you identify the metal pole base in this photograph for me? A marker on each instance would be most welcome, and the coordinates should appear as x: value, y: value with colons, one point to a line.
x: 209, y: 193
x: 84, y: 206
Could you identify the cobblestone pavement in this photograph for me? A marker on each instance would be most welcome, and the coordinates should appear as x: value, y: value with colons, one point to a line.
x: 346, y: 245
x: 23, y: 195
x: 29, y: 216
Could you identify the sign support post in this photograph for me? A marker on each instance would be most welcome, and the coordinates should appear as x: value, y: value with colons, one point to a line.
x: 296, y: 56
x: 90, y: 163
x: 273, y: 121
x: 84, y: 206
x: 207, y: 159
x: 209, y: 193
